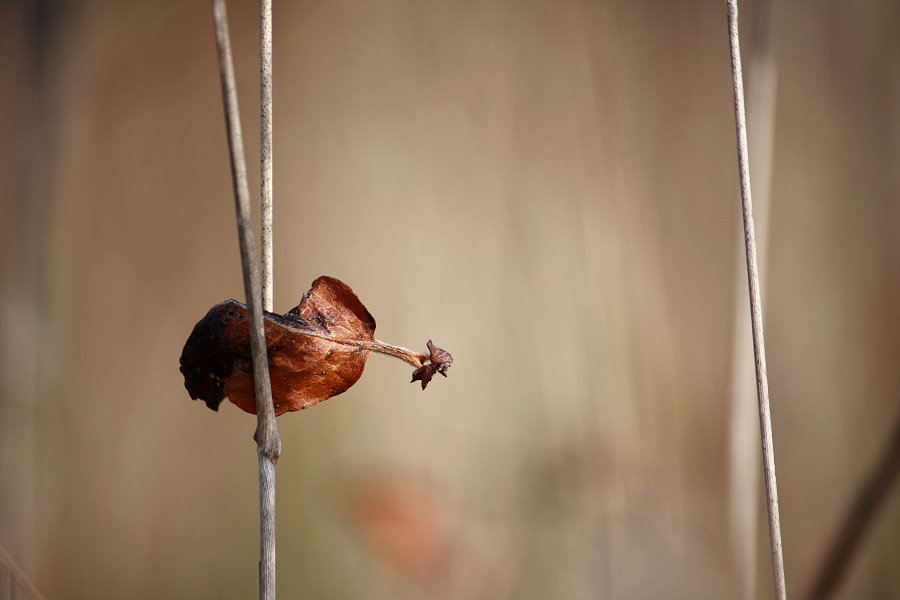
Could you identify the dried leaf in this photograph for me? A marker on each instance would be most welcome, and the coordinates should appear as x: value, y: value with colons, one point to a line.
x: 440, y: 362
x: 304, y: 369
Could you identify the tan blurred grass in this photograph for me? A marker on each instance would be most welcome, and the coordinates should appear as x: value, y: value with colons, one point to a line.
x: 546, y: 189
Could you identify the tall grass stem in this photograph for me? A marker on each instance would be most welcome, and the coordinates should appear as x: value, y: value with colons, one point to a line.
x: 265, y: 151
x: 744, y: 471
x: 759, y: 349
x: 267, y: 439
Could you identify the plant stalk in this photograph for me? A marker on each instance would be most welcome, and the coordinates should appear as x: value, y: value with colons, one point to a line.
x: 266, y: 464
x: 267, y: 439
x: 265, y: 150
x: 759, y: 351
x: 744, y: 471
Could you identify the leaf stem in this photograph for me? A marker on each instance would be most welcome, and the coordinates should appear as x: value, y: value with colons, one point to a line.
x: 405, y: 354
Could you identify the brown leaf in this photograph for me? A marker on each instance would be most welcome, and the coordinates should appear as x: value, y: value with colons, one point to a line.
x: 440, y: 362
x: 304, y: 369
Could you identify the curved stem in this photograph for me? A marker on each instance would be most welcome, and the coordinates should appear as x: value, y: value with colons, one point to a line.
x: 405, y: 354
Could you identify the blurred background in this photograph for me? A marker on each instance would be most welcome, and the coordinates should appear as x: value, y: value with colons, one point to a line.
x: 546, y: 189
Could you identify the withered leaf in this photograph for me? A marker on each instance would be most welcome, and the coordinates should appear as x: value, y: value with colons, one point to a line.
x: 304, y: 369
x: 440, y: 362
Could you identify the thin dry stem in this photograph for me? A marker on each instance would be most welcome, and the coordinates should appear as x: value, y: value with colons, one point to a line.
x: 266, y: 466
x: 268, y: 441
x: 743, y: 445
x: 265, y: 150
x: 759, y: 352
x: 405, y: 354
